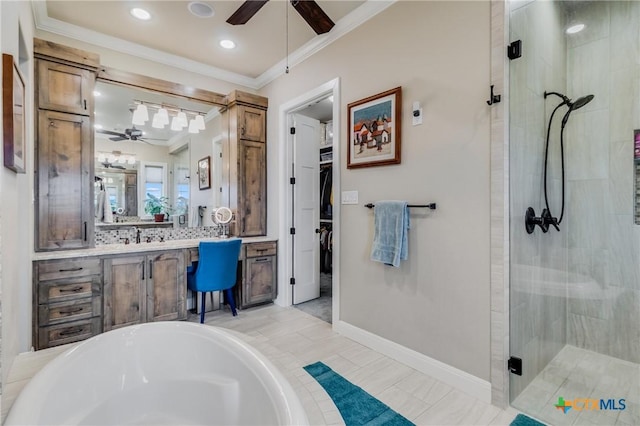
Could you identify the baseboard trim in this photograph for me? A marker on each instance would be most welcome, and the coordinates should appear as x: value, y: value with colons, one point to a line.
x: 452, y: 376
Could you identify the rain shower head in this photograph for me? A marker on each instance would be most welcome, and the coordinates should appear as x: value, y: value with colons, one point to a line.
x: 580, y: 102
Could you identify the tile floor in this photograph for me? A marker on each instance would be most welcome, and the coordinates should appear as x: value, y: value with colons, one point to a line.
x: 579, y: 373
x: 292, y: 339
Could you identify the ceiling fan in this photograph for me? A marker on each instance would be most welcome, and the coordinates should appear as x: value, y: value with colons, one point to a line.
x: 132, y: 134
x: 308, y: 9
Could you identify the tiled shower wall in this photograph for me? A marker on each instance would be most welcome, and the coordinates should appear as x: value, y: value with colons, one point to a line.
x: 604, y: 243
x: 537, y: 285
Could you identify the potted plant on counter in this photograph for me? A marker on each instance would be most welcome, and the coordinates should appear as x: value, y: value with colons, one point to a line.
x: 156, y: 206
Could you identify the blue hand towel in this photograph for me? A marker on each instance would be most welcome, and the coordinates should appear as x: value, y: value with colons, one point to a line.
x: 391, y: 232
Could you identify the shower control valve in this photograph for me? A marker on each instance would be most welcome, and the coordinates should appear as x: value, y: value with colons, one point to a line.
x: 549, y: 220
x: 531, y: 220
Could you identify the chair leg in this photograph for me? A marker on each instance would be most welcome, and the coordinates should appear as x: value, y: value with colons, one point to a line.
x: 204, y: 306
x: 232, y: 303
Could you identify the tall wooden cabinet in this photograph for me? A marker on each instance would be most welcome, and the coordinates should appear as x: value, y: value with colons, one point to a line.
x: 64, y: 147
x: 246, y: 153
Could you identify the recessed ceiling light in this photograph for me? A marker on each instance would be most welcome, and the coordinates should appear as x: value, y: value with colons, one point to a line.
x: 201, y: 10
x: 575, y: 28
x: 227, y: 44
x: 140, y: 14
x: 96, y: 93
x: 98, y: 126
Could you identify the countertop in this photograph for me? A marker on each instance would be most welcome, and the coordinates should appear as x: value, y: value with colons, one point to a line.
x: 136, y: 248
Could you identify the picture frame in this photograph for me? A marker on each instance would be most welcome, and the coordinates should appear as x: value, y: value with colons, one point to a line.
x: 204, y: 173
x: 374, y: 125
x: 13, y: 115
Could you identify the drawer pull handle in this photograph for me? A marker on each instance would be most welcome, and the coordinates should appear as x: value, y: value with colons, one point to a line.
x: 72, y: 311
x: 79, y: 268
x: 71, y: 290
x: 72, y: 331
x: 261, y: 250
x: 261, y: 259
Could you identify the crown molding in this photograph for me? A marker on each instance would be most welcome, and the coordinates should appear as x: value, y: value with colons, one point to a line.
x: 351, y: 21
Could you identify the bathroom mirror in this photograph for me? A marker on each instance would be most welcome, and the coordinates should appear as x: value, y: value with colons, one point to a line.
x: 135, y: 156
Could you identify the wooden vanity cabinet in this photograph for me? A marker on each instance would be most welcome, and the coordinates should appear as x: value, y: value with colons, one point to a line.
x: 67, y: 297
x: 259, y: 281
x: 144, y: 288
x: 246, y: 189
x: 64, y: 211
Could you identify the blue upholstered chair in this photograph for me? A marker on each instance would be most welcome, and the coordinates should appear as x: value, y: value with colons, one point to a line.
x: 216, y: 270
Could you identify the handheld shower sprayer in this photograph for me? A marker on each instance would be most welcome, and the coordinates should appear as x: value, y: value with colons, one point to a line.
x: 547, y: 218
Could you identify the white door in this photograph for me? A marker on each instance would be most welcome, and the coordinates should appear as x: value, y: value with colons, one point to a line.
x: 306, y: 211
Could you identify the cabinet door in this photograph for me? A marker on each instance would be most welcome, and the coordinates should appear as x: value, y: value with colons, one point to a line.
x: 259, y: 280
x: 252, y: 124
x: 251, y: 215
x: 125, y: 291
x: 65, y: 88
x: 64, y: 158
x: 166, y: 286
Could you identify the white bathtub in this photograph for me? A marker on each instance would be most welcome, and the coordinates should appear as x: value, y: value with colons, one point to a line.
x: 159, y: 373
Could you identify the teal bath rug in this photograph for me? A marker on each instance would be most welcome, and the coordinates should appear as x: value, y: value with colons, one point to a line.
x: 356, y: 406
x: 522, y: 420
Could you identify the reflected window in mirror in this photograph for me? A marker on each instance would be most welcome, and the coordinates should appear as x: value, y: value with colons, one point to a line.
x: 153, y: 176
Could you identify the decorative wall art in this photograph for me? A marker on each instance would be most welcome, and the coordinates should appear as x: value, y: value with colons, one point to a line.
x: 374, y: 125
x: 204, y: 173
x: 13, y: 115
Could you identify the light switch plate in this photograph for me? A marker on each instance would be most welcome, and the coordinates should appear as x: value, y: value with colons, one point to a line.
x: 417, y: 120
x: 349, y: 197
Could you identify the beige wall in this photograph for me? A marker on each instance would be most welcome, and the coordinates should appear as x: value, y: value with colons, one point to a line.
x: 437, y: 303
x: 16, y: 209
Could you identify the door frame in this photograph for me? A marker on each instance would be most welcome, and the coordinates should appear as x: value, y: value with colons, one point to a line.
x: 285, y: 249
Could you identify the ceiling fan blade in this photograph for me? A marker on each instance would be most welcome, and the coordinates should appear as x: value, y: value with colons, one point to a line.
x: 109, y: 132
x: 246, y: 11
x: 118, y: 138
x: 314, y: 15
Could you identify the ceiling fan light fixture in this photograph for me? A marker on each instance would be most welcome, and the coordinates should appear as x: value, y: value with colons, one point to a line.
x: 227, y: 44
x: 200, y: 122
x: 140, y: 14
x: 193, y: 127
x: 182, y: 118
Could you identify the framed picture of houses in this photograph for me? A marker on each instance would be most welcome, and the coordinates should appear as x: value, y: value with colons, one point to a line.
x: 374, y: 130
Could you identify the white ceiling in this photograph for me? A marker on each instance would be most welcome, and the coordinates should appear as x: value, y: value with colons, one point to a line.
x: 179, y: 38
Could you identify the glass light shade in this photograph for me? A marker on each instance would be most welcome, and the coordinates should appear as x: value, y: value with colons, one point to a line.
x: 200, y: 122
x: 138, y: 118
x: 131, y: 160
x: 182, y: 118
x: 101, y: 157
x: 158, y: 122
x: 164, y: 115
x: 142, y: 112
x: 193, y: 126
x: 175, y: 124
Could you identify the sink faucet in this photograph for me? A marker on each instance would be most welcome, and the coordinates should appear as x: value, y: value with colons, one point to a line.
x: 138, y: 231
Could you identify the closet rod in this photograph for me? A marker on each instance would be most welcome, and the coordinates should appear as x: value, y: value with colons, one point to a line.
x: 431, y: 206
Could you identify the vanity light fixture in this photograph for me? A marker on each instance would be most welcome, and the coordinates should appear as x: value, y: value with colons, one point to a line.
x: 115, y: 157
x: 164, y: 115
x: 97, y: 126
x: 140, y: 115
x: 140, y: 14
x: 575, y: 29
x: 200, y: 122
x: 158, y: 122
x: 182, y: 118
x: 193, y: 126
x: 176, y: 124
x: 227, y: 44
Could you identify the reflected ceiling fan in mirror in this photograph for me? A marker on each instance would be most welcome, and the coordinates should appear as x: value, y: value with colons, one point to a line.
x: 317, y: 19
x: 131, y: 134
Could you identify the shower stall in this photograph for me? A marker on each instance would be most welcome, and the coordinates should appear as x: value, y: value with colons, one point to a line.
x: 574, y: 203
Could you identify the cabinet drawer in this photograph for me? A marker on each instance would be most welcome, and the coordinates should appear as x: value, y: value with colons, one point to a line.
x: 61, y: 334
x: 73, y: 310
x: 261, y: 249
x: 67, y: 268
x: 68, y: 289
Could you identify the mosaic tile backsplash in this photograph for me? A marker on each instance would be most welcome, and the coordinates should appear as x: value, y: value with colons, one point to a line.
x: 118, y: 236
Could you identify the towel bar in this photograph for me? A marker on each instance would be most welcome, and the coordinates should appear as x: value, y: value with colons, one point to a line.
x: 431, y: 206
